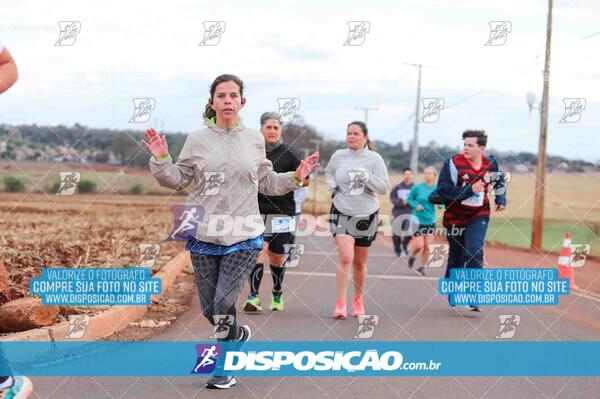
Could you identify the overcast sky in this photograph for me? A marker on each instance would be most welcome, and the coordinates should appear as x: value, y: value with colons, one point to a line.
x: 130, y: 49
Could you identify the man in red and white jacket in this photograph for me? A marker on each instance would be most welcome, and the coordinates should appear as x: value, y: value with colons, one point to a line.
x: 465, y: 180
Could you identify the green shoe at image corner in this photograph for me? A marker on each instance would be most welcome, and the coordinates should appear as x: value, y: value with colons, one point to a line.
x: 252, y: 304
x: 276, y: 303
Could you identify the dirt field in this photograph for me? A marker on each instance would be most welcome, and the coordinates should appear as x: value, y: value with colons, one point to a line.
x: 43, y: 230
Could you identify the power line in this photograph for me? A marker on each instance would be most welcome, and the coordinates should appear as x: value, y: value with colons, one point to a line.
x: 479, y: 92
x: 590, y: 36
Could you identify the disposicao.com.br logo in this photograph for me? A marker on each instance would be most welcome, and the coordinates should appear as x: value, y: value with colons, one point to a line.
x: 323, y: 361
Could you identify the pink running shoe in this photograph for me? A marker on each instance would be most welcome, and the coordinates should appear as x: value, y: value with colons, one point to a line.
x: 357, y: 307
x: 340, y: 310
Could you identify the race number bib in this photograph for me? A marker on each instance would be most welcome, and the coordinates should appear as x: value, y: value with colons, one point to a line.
x: 283, y: 224
x: 475, y: 200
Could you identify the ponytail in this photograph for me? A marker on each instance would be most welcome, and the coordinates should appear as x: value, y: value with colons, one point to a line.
x: 209, y: 112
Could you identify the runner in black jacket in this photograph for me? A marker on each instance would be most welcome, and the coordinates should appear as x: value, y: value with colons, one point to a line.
x: 400, y: 227
x: 279, y: 215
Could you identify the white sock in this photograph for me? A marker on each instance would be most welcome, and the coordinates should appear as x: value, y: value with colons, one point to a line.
x: 8, y: 383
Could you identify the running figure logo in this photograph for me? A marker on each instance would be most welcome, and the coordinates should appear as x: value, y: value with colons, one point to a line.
x: 68, y: 183
x: 293, y: 252
x: 142, y: 109
x: 508, y: 325
x: 366, y: 325
x: 579, y: 252
x: 68, y: 33
x: 573, y: 110
x: 148, y: 254
x: 207, y: 358
x: 223, y: 323
x: 498, y: 181
x: 212, y: 33
x: 358, y: 181
x: 357, y: 33
x: 432, y: 108
x: 77, y: 326
x: 288, y: 108
x: 499, y: 31
x: 437, y: 255
x: 212, y: 183
x: 186, y: 219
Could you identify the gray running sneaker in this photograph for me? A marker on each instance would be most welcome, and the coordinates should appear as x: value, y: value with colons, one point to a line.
x: 221, y: 382
x: 244, y: 334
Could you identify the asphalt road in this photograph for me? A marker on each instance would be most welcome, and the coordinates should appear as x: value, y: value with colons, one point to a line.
x: 409, y: 309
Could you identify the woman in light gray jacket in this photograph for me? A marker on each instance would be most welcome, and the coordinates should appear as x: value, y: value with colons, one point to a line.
x: 355, y: 176
x: 227, y: 163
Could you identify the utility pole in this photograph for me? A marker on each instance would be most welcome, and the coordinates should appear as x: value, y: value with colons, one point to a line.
x: 316, y: 179
x: 366, y: 109
x: 414, y: 154
x: 540, y: 172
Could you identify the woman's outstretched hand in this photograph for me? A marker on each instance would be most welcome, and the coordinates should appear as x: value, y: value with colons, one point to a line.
x: 307, y: 166
x: 157, y: 145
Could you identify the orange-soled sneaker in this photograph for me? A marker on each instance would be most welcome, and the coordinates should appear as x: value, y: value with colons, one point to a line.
x: 340, y: 310
x: 357, y: 307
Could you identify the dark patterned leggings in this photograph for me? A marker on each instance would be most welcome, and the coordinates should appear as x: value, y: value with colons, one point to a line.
x: 219, y: 280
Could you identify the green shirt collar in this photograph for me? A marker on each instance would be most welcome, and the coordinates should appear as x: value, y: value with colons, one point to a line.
x: 213, y: 123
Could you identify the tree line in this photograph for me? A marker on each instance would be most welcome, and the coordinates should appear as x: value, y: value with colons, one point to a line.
x: 124, y: 146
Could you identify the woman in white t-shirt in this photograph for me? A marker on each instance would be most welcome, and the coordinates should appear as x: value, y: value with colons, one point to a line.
x: 8, y: 69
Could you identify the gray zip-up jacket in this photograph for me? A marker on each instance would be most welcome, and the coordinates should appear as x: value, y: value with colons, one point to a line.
x: 356, y: 177
x: 228, y: 168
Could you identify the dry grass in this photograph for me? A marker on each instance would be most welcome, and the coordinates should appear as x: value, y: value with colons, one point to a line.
x: 569, y: 197
x: 109, y: 179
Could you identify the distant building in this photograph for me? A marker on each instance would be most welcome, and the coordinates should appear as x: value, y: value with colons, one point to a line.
x: 113, y: 160
x: 22, y: 153
x: 67, y: 154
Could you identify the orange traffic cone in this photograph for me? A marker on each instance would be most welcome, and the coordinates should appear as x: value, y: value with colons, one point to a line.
x: 564, y: 261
